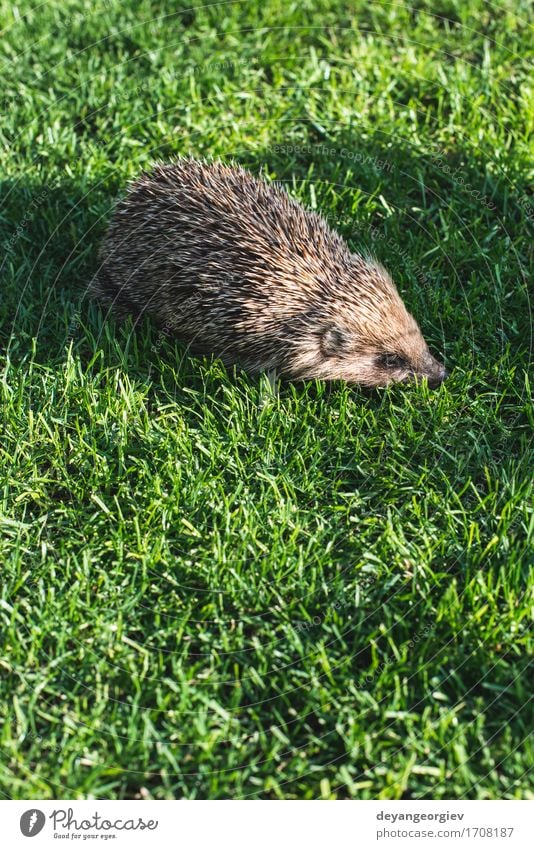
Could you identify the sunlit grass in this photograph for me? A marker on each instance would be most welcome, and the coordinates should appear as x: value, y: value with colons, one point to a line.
x: 210, y: 588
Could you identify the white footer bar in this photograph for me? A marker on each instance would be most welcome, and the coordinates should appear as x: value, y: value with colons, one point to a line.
x: 267, y: 824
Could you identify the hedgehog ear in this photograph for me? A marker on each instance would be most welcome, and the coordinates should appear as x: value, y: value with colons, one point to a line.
x: 334, y: 341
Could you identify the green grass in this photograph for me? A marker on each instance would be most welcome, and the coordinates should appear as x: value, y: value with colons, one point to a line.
x: 210, y: 589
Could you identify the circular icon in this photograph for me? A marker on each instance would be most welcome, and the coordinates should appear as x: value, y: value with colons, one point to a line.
x: 31, y: 822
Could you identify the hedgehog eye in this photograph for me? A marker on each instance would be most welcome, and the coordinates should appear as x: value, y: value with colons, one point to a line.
x: 390, y: 360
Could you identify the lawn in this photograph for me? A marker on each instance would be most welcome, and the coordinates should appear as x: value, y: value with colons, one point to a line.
x: 212, y: 586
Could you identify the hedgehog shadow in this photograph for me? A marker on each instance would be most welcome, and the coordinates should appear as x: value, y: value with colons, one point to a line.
x: 359, y: 169
x: 49, y: 235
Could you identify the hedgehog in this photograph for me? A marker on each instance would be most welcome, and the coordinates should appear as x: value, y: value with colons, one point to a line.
x: 232, y: 266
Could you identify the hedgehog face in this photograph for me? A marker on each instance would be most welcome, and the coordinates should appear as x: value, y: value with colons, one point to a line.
x: 403, y: 360
x: 382, y: 342
x: 379, y: 353
x: 369, y: 338
x: 352, y: 354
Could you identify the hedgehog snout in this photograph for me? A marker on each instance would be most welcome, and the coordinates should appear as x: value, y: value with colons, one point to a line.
x: 437, y: 378
x: 434, y: 371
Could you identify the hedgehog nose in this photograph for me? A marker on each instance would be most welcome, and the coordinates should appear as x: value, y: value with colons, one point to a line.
x: 437, y: 378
